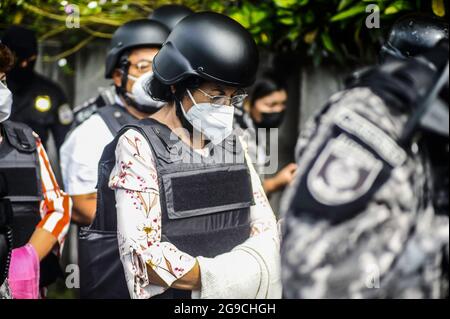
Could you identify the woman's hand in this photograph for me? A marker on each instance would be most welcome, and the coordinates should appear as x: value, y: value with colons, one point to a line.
x: 190, y: 281
x: 281, y: 179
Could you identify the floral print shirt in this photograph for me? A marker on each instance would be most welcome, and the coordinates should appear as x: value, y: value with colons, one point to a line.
x: 135, y: 181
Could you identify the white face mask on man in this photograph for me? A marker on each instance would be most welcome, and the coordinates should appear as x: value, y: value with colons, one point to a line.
x: 6, y: 101
x: 214, y: 121
x: 138, y: 93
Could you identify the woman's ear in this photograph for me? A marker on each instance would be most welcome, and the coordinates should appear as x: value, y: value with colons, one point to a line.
x: 172, y: 89
x: 117, y: 77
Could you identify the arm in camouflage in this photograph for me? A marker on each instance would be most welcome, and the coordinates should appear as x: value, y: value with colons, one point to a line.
x: 359, y: 220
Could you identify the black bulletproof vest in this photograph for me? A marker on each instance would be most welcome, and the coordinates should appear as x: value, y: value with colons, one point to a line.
x: 97, y: 243
x: 20, y: 177
x: 205, y: 204
x: 115, y: 117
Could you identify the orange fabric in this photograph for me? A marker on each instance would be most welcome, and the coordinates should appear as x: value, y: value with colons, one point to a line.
x: 56, y: 206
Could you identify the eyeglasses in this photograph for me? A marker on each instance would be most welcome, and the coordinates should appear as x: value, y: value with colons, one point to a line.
x: 143, y: 66
x: 219, y: 100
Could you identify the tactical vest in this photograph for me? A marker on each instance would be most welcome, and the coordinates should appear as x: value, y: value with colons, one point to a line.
x: 116, y: 117
x: 20, y: 175
x: 205, y: 205
x: 102, y: 244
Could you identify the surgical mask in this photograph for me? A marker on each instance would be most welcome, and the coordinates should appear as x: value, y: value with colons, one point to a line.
x: 214, y: 121
x: 6, y: 101
x: 138, y: 94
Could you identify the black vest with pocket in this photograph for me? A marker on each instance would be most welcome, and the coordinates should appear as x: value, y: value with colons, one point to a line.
x: 100, y: 243
x: 20, y: 176
x: 205, y: 205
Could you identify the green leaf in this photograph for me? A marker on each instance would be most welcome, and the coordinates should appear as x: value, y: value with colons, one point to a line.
x: 241, y: 18
x: 287, y: 20
x: 293, y: 34
x: 257, y: 15
x: 217, y: 6
x: 356, y: 10
x: 398, y: 6
x: 438, y: 7
x: 265, y: 38
x: 344, y: 4
x: 285, y: 3
x: 327, y: 42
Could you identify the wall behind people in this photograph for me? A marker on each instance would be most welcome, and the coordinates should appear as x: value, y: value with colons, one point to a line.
x: 55, y: 73
x: 90, y: 71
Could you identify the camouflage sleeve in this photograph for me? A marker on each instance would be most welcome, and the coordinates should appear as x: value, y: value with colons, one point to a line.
x: 5, y: 292
x: 357, y: 224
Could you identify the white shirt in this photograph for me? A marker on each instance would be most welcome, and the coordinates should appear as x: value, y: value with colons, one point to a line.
x: 80, y: 154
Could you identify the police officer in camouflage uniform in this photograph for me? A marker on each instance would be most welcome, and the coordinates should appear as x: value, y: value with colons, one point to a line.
x: 361, y: 217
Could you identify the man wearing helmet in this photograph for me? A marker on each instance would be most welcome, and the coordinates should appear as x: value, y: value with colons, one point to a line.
x: 129, y: 65
x: 169, y: 15
x: 191, y: 216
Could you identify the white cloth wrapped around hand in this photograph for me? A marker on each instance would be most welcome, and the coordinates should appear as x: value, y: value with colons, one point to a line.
x: 256, y: 265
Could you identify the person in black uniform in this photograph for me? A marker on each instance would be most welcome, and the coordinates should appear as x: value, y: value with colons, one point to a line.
x: 38, y: 102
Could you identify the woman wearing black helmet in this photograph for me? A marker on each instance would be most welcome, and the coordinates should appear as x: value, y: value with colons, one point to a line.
x: 192, y: 217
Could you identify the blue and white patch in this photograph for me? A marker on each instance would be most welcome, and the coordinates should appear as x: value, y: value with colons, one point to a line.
x: 343, y: 172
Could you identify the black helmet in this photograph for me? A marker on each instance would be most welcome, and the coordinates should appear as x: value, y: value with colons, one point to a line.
x: 142, y: 32
x: 414, y: 34
x: 211, y: 46
x: 170, y: 15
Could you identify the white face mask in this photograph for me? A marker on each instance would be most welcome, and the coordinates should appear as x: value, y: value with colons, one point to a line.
x: 6, y: 101
x: 138, y: 93
x: 214, y: 121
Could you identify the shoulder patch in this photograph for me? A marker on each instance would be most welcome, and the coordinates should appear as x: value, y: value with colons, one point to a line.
x: 370, y: 134
x: 65, y: 114
x: 343, y: 172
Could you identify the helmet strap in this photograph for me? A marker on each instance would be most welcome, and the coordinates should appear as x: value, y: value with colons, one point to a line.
x: 124, y: 66
x: 184, y: 122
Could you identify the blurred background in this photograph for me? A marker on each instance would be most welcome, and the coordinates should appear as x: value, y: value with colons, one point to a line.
x: 313, y: 45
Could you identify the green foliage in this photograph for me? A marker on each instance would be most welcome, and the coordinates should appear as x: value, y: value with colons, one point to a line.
x: 333, y: 30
